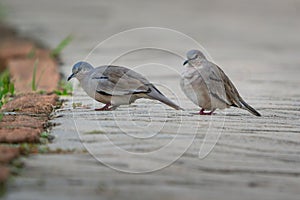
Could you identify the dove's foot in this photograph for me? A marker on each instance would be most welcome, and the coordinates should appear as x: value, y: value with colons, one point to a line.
x: 206, y: 113
x: 105, y: 108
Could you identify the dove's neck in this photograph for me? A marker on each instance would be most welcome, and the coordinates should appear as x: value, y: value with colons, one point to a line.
x: 81, y: 76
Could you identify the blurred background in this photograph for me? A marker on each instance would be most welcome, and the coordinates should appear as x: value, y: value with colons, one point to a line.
x: 252, y: 36
x: 259, y: 29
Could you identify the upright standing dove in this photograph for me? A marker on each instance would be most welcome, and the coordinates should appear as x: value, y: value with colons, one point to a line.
x: 115, y: 85
x: 206, y: 85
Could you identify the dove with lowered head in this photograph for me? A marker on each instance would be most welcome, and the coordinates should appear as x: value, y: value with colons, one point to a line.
x: 207, y: 86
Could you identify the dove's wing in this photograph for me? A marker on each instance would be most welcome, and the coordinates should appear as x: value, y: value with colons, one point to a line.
x: 232, y: 95
x: 116, y: 80
x: 214, y: 81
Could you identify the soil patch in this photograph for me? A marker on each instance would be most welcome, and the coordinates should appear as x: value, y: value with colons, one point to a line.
x: 26, y: 116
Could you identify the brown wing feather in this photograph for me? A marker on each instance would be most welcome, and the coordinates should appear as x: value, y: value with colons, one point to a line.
x: 122, y: 81
x: 232, y: 93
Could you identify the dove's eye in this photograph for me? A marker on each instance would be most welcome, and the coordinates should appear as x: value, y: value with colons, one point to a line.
x: 195, y: 56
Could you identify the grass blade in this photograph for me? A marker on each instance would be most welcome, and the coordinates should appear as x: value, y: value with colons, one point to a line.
x: 33, y: 82
x: 57, y: 50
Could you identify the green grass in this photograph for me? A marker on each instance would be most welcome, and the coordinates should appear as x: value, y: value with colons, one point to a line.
x: 31, y: 54
x: 29, y: 148
x: 33, y: 82
x: 46, y: 137
x: 7, y: 88
x: 75, y: 105
x: 58, y: 49
x: 64, y: 88
x: 3, y: 12
x: 2, y: 189
x: 94, y: 132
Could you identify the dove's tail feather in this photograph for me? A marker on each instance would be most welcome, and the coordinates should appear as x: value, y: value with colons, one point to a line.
x: 156, y: 94
x: 249, y: 108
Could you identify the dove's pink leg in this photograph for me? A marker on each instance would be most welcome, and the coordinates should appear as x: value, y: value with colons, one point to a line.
x: 106, y: 107
x: 206, y: 113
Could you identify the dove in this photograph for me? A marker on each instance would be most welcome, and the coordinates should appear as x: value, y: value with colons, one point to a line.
x: 207, y: 86
x: 116, y: 85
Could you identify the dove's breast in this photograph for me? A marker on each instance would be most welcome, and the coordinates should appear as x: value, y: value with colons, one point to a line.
x: 195, y: 88
x: 90, y: 87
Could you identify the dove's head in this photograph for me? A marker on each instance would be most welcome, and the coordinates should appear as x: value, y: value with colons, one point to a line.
x: 194, y: 56
x: 80, y: 69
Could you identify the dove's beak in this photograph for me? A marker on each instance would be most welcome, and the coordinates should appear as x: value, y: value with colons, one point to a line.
x: 71, y: 76
x: 186, y: 62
